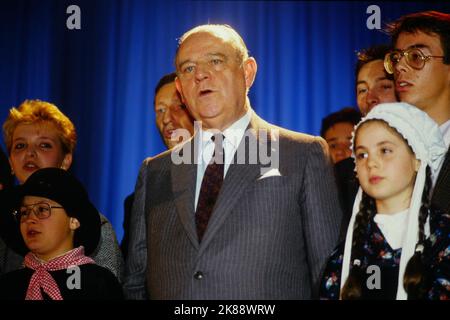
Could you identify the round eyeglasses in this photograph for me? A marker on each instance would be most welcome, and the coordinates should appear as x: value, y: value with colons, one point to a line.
x: 42, y: 210
x: 415, y: 58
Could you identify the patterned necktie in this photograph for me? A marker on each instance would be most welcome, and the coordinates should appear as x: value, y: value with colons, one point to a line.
x: 211, y: 184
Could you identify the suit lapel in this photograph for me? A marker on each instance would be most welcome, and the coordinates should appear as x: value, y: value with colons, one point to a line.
x: 237, y: 179
x: 441, y: 194
x: 183, y: 178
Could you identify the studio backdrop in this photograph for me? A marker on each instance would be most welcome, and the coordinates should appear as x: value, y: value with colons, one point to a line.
x: 103, y: 75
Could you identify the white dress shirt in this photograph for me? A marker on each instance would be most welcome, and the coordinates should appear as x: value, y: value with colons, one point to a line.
x: 445, y: 129
x: 232, y: 137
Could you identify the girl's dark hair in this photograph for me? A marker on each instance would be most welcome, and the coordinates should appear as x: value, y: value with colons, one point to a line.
x: 415, y: 279
x: 352, y: 288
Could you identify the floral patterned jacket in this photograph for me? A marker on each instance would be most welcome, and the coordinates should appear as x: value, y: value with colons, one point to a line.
x: 378, y: 252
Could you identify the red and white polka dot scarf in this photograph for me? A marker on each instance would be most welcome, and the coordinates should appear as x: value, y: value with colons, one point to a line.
x: 41, y: 278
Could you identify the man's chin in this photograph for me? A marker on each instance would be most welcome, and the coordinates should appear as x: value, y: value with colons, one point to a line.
x: 408, y: 98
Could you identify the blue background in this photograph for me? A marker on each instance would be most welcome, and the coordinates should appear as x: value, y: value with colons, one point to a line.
x: 103, y: 76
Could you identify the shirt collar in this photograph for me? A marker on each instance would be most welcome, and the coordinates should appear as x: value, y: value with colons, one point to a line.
x: 233, y: 134
x: 445, y: 129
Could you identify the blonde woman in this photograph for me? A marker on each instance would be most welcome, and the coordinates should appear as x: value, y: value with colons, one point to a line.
x: 38, y: 135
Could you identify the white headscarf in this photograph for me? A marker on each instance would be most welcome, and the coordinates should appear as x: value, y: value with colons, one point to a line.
x: 425, y: 139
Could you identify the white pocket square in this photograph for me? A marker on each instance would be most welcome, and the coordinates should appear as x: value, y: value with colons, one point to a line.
x: 272, y: 172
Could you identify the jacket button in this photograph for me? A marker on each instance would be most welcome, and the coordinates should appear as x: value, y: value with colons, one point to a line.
x: 198, y: 275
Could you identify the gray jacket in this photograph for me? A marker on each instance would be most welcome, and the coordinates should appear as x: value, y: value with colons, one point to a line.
x: 268, y: 238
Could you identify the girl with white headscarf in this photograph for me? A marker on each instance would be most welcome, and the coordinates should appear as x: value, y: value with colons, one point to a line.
x: 397, y: 245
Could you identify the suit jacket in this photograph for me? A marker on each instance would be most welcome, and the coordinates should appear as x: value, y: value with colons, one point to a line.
x: 347, y: 185
x: 441, y: 192
x: 127, y: 206
x: 269, y: 235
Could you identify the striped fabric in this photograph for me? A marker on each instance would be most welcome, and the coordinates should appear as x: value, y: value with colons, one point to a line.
x: 268, y: 237
x: 210, y: 188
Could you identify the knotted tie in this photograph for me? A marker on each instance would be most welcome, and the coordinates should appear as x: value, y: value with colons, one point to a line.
x: 211, y: 184
x: 41, y: 277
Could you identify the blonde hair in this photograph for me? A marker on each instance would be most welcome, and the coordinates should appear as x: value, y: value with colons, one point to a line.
x: 222, y: 31
x: 37, y: 111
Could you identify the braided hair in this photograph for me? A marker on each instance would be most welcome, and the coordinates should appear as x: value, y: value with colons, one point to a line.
x: 415, y: 282
x: 415, y: 279
x: 352, y: 289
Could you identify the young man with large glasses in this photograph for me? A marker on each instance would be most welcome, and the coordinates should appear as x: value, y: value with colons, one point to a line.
x: 420, y: 63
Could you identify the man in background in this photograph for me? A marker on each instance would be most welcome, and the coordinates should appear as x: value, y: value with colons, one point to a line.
x: 170, y: 115
x: 337, y: 130
x: 373, y: 84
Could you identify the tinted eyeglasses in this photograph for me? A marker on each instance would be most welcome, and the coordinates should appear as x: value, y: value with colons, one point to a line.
x: 415, y: 58
x: 42, y: 210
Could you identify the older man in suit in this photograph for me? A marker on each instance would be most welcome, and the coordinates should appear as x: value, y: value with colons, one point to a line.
x: 244, y: 209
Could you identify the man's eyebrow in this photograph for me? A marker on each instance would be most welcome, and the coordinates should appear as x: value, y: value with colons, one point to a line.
x: 417, y: 46
x: 208, y: 55
x: 361, y: 82
x: 216, y: 54
x: 183, y: 62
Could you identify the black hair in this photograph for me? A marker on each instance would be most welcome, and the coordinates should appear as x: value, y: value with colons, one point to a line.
x: 376, y: 52
x: 166, y: 79
x: 427, y: 22
x: 352, y: 289
x: 347, y: 114
x: 415, y: 280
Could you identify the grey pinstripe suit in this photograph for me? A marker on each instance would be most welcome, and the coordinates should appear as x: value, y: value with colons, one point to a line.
x: 267, y: 238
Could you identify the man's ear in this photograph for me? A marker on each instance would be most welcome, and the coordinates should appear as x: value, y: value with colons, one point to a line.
x: 74, y: 224
x: 179, y: 89
x: 250, y: 68
x: 67, y: 161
